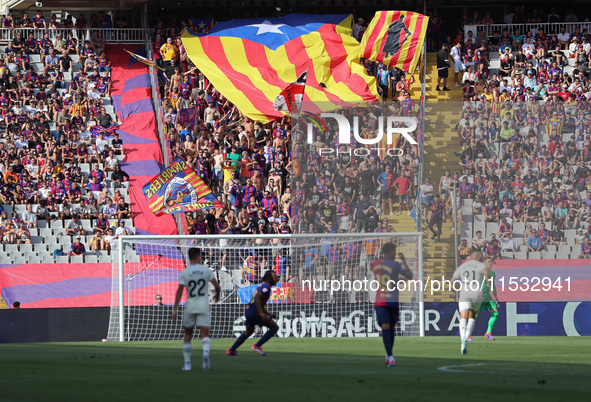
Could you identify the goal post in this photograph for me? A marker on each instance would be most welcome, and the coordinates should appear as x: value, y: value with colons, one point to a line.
x: 326, y: 287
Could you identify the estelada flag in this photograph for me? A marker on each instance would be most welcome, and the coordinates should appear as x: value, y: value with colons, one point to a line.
x: 202, y: 25
x: 178, y: 189
x: 290, y: 99
x: 250, y: 61
x: 395, y: 38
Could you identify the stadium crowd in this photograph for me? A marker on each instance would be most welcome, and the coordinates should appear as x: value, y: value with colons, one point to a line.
x: 267, y: 178
x: 525, y: 143
x: 59, y: 158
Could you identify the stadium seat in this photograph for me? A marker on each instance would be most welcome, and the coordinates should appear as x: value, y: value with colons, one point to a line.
x: 552, y: 248
x: 45, y: 232
x: 491, y: 227
x: 518, y: 227
x: 36, y: 239
x: 34, y: 231
x: 549, y: 255
x: 33, y: 259
x: 11, y: 248
x: 26, y: 248
x: 77, y: 259
x: 479, y: 218
x: 507, y: 255
x: 570, y: 233
x: 571, y: 240
x: 478, y: 226
x: 548, y: 225
x: 62, y: 259
x: 19, y: 259
x: 521, y: 255
x: 20, y: 209
x: 225, y: 280
x: 534, y: 225
x: 90, y: 258
x: 105, y: 258
x: 534, y: 255
x: 566, y: 249
x: 57, y: 224
x: 466, y: 230
x: 8, y: 209
x: 47, y: 259
x: 40, y: 248
x: 562, y: 255
x: 42, y: 224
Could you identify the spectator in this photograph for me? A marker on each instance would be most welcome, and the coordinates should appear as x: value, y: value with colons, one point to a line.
x: 479, y: 243
x: 585, y: 249
x: 23, y: 235
x: 122, y: 230
x: 509, y: 244
x: 535, y: 243
x: 119, y: 178
x: 75, y: 227
x: 403, y: 185
x: 30, y: 217
x: 437, y: 217
x: 77, y: 248
x: 464, y: 250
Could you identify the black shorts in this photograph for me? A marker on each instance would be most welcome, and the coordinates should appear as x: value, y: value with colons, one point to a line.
x: 436, y: 221
x: 387, y: 314
x: 443, y: 73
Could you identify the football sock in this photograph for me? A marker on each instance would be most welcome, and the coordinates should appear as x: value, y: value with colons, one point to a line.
x: 491, y: 322
x: 393, y: 337
x: 239, y: 342
x: 470, y: 327
x: 187, y: 351
x: 268, y: 335
x: 388, y: 340
x: 206, y: 344
x: 462, y: 328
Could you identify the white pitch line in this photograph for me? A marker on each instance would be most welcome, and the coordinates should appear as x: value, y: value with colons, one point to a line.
x: 452, y: 369
x: 458, y: 368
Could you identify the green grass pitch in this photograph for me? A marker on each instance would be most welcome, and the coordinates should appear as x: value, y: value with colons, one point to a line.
x: 428, y: 369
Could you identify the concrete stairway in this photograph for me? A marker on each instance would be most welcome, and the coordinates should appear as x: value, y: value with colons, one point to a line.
x: 442, y: 112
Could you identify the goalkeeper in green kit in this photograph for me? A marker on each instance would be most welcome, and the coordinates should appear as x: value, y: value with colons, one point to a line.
x: 491, y: 303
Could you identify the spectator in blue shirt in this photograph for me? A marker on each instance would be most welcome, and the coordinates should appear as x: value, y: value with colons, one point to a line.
x: 535, y: 243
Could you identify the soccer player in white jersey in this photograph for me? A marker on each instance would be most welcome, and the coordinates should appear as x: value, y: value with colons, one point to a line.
x: 196, y: 278
x: 471, y: 273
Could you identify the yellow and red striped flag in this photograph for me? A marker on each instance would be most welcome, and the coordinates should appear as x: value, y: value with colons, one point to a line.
x: 395, y: 38
x: 252, y: 61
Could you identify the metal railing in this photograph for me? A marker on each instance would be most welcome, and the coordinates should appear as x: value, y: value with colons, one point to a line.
x: 109, y: 35
x: 522, y: 29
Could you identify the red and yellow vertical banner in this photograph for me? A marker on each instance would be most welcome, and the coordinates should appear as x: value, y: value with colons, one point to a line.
x: 395, y: 38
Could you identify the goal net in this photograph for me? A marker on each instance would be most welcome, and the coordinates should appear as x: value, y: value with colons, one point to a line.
x: 326, y: 288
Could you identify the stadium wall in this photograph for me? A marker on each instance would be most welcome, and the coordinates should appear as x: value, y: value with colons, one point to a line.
x: 53, y: 325
x: 317, y: 320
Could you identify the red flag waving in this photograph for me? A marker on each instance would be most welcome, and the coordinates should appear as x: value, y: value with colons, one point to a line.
x: 290, y: 99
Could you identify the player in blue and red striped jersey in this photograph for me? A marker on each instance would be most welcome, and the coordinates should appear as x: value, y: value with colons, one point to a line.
x: 387, y: 272
x: 256, y: 314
